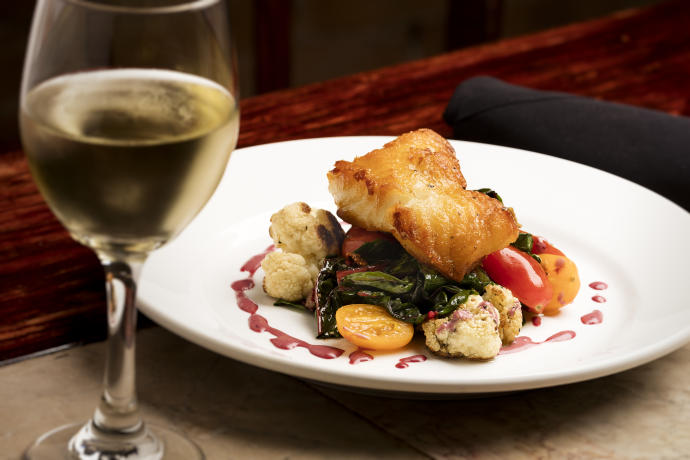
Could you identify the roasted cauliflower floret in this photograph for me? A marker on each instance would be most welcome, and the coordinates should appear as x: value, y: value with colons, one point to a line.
x: 470, y: 331
x: 312, y: 233
x: 509, y: 309
x: 287, y: 276
x: 303, y: 237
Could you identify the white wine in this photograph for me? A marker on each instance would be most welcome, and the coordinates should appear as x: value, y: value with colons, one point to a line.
x: 127, y: 157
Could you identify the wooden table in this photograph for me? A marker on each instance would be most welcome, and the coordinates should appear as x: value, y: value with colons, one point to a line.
x: 51, y: 289
x: 237, y: 411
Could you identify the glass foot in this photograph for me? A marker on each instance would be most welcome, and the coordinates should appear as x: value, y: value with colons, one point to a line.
x: 85, y: 442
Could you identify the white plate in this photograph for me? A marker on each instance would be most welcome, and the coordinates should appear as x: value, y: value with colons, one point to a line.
x: 615, y: 231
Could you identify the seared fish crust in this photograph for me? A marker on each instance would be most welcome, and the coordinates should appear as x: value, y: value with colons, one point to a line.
x: 413, y: 189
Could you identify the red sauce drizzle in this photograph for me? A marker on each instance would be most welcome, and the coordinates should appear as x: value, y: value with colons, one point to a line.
x: 253, y: 264
x: 258, y: 323
x: 536, y: 320
x: 596, y: 317
x: 524, y: 342
x: 360, y: 356
x: 244, y: 302
x: 405, y: 362
x: 599, y: 299
x: 598, y: 285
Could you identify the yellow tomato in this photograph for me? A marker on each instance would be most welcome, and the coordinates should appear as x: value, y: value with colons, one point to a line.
x: 562, y: 274
x: 371, y: 327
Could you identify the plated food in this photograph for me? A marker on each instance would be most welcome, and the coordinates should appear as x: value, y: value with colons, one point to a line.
x: 424, y: 255
x: 187, y: 288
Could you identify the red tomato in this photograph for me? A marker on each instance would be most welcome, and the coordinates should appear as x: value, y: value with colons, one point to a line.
x: 357, y: 236
x: 541, y: 246
x: 520, y: 273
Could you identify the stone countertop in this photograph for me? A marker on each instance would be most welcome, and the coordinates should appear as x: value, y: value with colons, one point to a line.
x: 236, y: 411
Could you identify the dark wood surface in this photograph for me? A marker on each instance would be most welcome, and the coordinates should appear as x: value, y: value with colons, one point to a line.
x: 51, y: 289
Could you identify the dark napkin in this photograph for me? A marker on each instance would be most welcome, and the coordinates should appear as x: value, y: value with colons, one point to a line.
x: 645, y: 146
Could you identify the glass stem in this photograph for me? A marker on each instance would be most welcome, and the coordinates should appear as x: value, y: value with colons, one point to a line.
x: 118, y: 411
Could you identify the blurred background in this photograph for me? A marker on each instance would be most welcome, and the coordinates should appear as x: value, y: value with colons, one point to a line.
x: 287, y: 43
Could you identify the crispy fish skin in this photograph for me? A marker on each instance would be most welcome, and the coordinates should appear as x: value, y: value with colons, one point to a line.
x: 413, y: 188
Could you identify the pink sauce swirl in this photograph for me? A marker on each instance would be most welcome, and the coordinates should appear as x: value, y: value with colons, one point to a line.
x: 524, y: 342
x: 359, y: 356
x: 596, y: 317
x: 405, y: 362
x: 258, y: 323
x: 598, y: 285
x: 253, y: 264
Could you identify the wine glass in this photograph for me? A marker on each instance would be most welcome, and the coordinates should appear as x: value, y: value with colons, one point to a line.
x: 128, y: 115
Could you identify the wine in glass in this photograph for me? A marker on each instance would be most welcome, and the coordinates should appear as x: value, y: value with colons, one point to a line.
x: 128, y: 115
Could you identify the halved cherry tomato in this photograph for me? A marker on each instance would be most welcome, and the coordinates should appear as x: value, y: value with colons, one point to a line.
x: 357, y: 236
x: 371, y: 327
x: 541, y: 246
x: 562, y: 274
x: 520, y: 273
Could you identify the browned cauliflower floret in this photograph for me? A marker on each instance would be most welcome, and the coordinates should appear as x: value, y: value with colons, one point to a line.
x: 509, y: 309
x: 303, y: 236
x: 470, y: 331
x: 287, y: 276
x: 312, y: 233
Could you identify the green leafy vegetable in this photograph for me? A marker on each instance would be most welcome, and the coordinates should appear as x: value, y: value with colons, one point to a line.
x: 525, y: 243
x: 326, y: 304
x: 477, y: 279
x: 491, y: 193
x: 405, y: 311
x: 449, y: 298
x: 286, y: 303
x: 407, y: 289
x: 378, y: 280
x: 404, y: 265
x: 432, y: 279
x: 346, y: 297
x: 379, y: 251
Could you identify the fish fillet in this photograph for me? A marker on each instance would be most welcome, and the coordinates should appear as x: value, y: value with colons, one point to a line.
x: 413, y: 188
